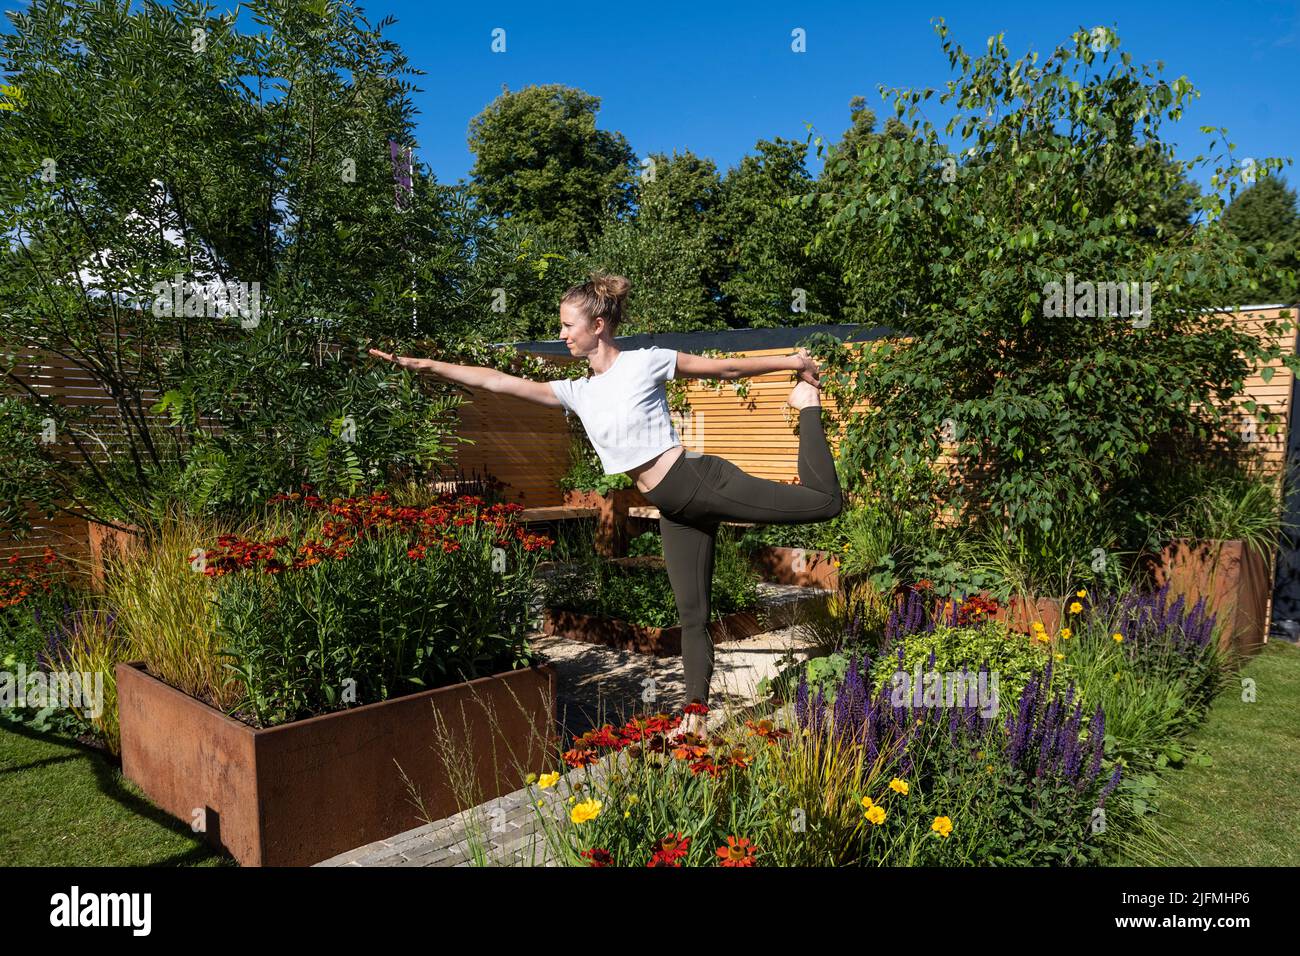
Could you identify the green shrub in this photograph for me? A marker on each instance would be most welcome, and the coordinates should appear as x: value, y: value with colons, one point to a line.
x: 1014, y: 657
x: 586, y: 473
x: 646, y: 543
x: 643, y: 594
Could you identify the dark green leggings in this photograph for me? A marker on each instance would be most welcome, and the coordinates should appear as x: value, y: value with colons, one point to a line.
x: 698, y: 493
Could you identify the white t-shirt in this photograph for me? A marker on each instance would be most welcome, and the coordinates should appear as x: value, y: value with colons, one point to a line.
x: 624, y: 409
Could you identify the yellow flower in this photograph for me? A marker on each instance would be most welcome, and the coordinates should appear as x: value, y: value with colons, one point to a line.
x: 539, y: 802
x: 587, y: 810
x: 876, y: 815
x: 1076, y: 607
x: 1119, y: 638
x: 898, y: 786
x: 989, y: 768
x: 633, y: 798
x: 1060, y: 657
x: 1042, y: 637
x: 1065, y: 633
x: 547, y: 780
x: 941, y: 826
x: 1038, y: 625
x: 1081, y: 593
x: 530, y: 778
x: 626, y: 814
x: 979, y: 755
x: 868, y: 803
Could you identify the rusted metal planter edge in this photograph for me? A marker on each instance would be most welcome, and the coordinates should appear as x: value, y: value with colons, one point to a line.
x: 803, y: 567
x: 299, y: 793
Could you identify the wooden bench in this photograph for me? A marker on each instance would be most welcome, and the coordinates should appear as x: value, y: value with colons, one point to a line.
x: 556, y: 513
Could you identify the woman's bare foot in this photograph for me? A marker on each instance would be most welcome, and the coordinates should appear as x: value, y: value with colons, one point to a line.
x: 803, y: 395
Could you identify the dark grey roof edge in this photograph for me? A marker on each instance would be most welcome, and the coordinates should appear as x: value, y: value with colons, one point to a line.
x: 734, y: 340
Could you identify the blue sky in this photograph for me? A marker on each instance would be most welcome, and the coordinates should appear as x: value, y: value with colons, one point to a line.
x: 717, y: 77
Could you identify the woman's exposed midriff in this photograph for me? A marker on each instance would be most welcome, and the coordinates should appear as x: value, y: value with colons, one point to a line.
x: 649, y: 474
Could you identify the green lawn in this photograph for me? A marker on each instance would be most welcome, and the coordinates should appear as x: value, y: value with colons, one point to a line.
x: 65, y: 805
x: 1241, y: 810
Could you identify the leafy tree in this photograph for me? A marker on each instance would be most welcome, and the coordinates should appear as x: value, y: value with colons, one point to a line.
x: 772, y: 279
x: 837, y: 180
x: 1264, y: 217
x: 665, y: 262
x: 1168, y: 214
x: 1058, y: 418
x: 538, y: 156
x: 670, y: 249
x: 162, y: 142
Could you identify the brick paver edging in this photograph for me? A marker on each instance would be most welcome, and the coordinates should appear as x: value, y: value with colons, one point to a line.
x: 505, y: 829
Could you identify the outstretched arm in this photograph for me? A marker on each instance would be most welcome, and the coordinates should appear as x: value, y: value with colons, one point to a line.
x: 697, y: 366
x: 475, y: 376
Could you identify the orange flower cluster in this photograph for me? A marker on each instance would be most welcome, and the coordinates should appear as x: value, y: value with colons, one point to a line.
x: 669, y: 850
x: 672, y: 849
x: 429, y: 530
x: 975, y: 609
x: 19, y: 578
x: 653, y: 735
x: 739, y: 851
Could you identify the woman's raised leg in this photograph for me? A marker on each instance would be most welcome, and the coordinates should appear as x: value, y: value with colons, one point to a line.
x: 730, y: 494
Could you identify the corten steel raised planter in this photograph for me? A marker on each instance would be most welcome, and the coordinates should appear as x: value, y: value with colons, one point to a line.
x: 1232, y: 577
x: 299, y: 793
x: 611, y: 523
x: 1020, y: 614
x: 658, y: 641
x: 800, y: 566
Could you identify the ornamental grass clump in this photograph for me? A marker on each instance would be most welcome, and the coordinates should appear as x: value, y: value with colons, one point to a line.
x: 88, y: 643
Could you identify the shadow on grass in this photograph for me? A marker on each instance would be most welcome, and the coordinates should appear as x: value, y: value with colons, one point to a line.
x: 110, y: 783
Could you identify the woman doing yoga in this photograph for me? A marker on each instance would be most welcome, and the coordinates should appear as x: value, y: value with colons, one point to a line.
x: 624, y: 409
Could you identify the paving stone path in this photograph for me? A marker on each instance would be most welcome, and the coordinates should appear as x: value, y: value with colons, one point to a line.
x: 595, y: 685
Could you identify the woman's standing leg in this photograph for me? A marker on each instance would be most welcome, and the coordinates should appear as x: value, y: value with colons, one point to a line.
x: 688, y: 554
